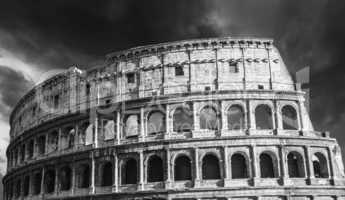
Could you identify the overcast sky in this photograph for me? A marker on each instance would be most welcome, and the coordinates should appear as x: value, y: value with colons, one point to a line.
x: 41, y: 37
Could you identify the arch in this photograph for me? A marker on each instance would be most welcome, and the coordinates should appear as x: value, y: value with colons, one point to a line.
x: 18, y: 188
x: 295, y: 165
x: 82, y: 133
x: 22, y: 153
x: 182, y: 168
x: 89, y: 134
x: 107, y: 174
x: 37, y: 184
x: 84, y: 176
x: 26, y: 186
x: 267, y: 166
x: 239, y: 167
x: 182, y: 119
x: 108, y: 130
x: 49, y: 181
x: 210, y: 167
x: 289, y: 116
x: 67, y: 138
x: 65, y: 177
x: 31, y: 149
x: 41, y: 144
x: 131, y: 127
x: 236, y: 117
x: 209, y: 118
x: 156, y: 122
x: 263, y: 117
x: 155, y: 169
x: 130, y: 172
x: 53, y: 139
x: 320, y: 165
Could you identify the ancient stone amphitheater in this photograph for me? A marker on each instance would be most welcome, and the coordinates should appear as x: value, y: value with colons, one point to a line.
x: 216, y: 118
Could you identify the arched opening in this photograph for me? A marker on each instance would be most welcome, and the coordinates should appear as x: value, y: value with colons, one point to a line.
x: 18, y: 188
x: 295, y: 165
x: 67, y: 138
x: 84, y: 176
x: 41, y: 144
x: 238, y: 166
x: 131, y: 127
x: 320, y: 165
x: 22, y: 153
x: 235, y: 118
x: 208, y: 118
x: 182, y: 120
x: 65, y: 178
x: 31, y: 149
x: 82, y: 133
x: 130, y: 172
x: 108, y: 129
x: 266, y: 166
x: 107, y: 174
x: 182, y: 168
x: 155, y: 169
x: 89, y: 134
x: 26, y: 186
x: 210, y: 167
x: 49, y: 181
x: 289, y: 116
x: 53, y: 139
x: 156, y: 122
x: 263, y: 117
x: 37, y: 184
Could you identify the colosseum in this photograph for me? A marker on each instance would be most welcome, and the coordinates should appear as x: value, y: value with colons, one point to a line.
x: 217, y: 118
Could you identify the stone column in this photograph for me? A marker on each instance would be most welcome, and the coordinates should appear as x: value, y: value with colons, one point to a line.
x: 93, y: 173
x: 189, y: 72
x: 142, y: 124
x: 278, y: 117
x: 118, y: 127
x: 141, y: 167
x: 195, y: 117
x: 250, y: 118
x: 95, y: 139
x: 309, y: 162
x: 255, y: 164
x: 57, y: 185
x: 116, y: 172
x: 217, y: 69
x: 226, y: 165
x: 76, y: 138
x: 59, y: 139
x: 284, y: 174
x: 168, y: 167
x: 196, y: 168
x: 274, y: 117
x: 42, y: 180
x: 73, y: 178
x: 167, y: 122
x: 331, y: 168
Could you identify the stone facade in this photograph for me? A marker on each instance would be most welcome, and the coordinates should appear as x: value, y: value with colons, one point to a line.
x: 201, y: 119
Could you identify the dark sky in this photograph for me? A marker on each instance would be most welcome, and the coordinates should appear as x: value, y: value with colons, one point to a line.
x: 52, y: 34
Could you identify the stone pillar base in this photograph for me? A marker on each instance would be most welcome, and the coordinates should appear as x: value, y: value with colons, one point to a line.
x: 115, y: 188
x: 141, y: 186
x: 167, y: 184
x: 197, y: 183
x: 255, y: 181
x: 285, y: 181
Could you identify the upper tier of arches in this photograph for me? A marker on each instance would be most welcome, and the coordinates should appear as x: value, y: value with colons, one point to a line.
x: 187, y: 67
